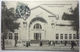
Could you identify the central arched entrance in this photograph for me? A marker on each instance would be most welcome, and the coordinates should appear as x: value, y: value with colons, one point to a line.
x: 37, y: 29
x: 37, y: 36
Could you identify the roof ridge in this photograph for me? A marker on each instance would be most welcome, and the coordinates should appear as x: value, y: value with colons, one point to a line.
x: 43, y: 9
x: 35, y: 7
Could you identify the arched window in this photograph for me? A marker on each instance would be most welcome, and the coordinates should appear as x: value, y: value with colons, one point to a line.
x: 37, y: 26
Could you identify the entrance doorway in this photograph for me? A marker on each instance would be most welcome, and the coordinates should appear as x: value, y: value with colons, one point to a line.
x: 37, y: 36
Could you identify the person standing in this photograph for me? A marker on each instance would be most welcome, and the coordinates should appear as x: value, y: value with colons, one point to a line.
x: 49, y: 43
x: 65, y: 43
x: 72, y: 44
x: 54, y: 43
x: 15, y: 43
x: 27, y: 44
x: 40, y: 43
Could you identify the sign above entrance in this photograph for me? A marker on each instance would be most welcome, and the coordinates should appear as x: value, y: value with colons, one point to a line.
x: 23, y: 10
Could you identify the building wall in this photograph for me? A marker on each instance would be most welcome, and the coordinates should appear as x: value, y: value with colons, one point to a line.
x: 48, y: 31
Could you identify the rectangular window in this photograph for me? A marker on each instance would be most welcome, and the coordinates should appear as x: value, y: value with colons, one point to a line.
x: 37, y: 26
x: 70, y: 36
x: 10, y: 36
x: 74, y: 36
x: 57, y: 36
x: 37, y: 36
x: 5, y: 35
x: 61, y: 36
x: 65, y: 36
x: 16, y: 36
x: 24, y: 22
x: 77, y: 36
x: 52, y: 23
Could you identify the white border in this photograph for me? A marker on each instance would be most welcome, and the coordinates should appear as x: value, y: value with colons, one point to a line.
x: 33, y: 0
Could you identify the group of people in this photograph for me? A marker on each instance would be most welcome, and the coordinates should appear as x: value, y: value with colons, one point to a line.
x: 72, y: 43
x: 50, y: 43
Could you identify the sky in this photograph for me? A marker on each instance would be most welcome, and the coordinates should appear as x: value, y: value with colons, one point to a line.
x: 56, y: 7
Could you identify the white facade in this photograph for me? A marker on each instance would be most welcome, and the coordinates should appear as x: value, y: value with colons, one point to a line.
x: 43, y: 25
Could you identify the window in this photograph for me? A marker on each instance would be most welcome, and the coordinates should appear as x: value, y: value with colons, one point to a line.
x: 37, y: 26
x: 37, y: 36
x: 5, y: 35
x: 70, y: 36
x: 74, y: 36
x: 65, y: 36
x: 61, y: 36
x: 10, y: 36
x: 24, y: 22
x: 57, y: 36
x: 52, y: 23
x: 77, y: 36
x: 16, y: 36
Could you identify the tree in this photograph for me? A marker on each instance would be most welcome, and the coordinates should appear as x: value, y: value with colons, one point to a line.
x: 73, y: 17
x: 76, y: 20
x: 8, y: 21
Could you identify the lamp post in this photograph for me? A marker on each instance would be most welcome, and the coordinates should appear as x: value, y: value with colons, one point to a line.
x: 3, y: 39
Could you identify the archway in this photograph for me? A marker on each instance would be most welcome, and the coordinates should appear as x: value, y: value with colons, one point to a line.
x: 37, y: 35
x: 37, y: 19
x: 36, y: 28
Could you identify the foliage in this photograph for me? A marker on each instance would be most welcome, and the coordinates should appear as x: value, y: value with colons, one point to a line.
x: 9, y: 18
x: 73, y: 17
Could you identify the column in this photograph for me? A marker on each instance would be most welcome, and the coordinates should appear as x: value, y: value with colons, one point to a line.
x: 59, y: 37
x: 63, y: 36
x: 72, y: 36
x: 7, y: 35
x: 68, y: 37
x: 13, y: 35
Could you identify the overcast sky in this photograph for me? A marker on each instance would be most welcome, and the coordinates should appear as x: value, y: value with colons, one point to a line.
x: 56, y: 8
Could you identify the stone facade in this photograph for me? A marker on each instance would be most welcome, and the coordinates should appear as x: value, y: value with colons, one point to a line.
x: 42, y: 25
